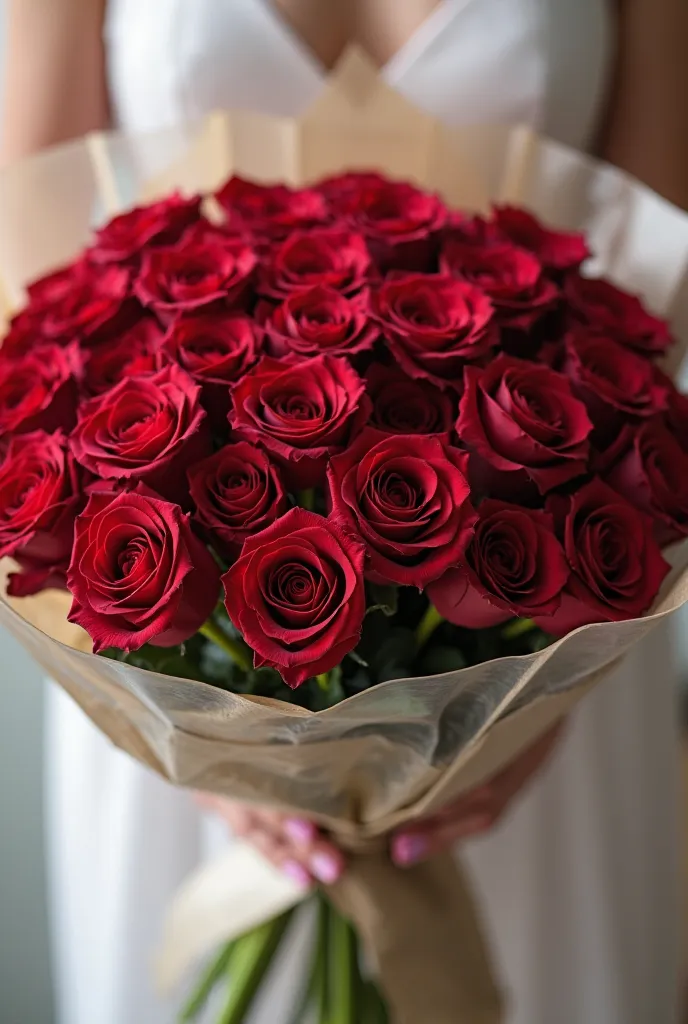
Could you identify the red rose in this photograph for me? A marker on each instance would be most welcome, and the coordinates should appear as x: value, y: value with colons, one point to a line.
x: 408, y: 498
x: 331, y: 257
x: 677, y: 413
x: 511, y: 277
x: 297, y: 595
x: 216, y: 349
x: 39, y: 498
x: 195, y: 274
x: 616, y: 565
x: 402, y: 405
x: 138, y: 575
x: 76, y: 301
x: 133, y: 353
x: 556, y: 250
x: 514, y: 566
x: 160, y: 224
x: 320, y: 319
x: 435, y: 324
x: 148, y: 428
x: 520, y: 416
x: 616, y: 314
x: 237, y: 493
x: 38, y: 390
x: 302, y: 412
x: 652, y: 474
x: 272, y: 210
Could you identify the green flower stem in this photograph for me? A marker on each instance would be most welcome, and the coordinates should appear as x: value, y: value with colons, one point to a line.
x: 517, y: 628
x: 376, y: 1010
x: 319, y: 977
x: 323, y: 681
x: 250, y: 960
x: 236, y: 649
x: 344, y: 972
x: 307, y: 499
x: 427, y: 626
x: 212, y: 975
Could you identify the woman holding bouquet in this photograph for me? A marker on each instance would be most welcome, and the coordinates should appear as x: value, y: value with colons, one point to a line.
x: 579, y: 880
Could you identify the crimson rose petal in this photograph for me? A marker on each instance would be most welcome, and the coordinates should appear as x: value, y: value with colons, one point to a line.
x: 402, y: 405
x: 610, y: 311
x: 335, y: 258
x: 557, y: 250
x: 320, y: 319
x: 38, y: 390
x: 160, y: 223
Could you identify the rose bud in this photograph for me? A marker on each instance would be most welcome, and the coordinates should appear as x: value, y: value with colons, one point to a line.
x: 301, y: 412
x: 616, y: 565
x: 296, y: 594
x: 319, y: 319
x: 138, y: 574
x: 334, y: 258
x: 271, y: 210
x: 38, y: 390
x: 407, y: 497
x: 521, y: 418
x: 514, y: 566
x: 237, y: 493
x: 133, y: 353
x: 616, y: 314
x: 435, y: 325
x: 402, y: 405
x: 556, y: 250
x: 39, y: 498
x: 148, y: 429
x: 158, y: 224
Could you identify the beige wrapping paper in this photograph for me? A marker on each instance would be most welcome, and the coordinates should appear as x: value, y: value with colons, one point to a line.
x: 406, y: 747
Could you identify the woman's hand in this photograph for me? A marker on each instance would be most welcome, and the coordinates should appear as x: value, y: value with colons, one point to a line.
x: 300, y: 850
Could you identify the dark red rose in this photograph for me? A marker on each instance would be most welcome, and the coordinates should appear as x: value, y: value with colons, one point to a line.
x: 616, y: 314
x: 237, y: 493
x: 272, y: 210
x: 520, y: 416
x: 616, y: 565
x: 676, y: 413
x: 435, y: 324
x: 301, y: 411
x: 407, y: 496
x: 198, y: 274
x: 160, y: 223
x: 216, y: 349
x: 338, y: 189
x: 511, y: 277
x: 402, y: 405
x: 318, y: 320
x: 331, y: 257
x: 556, y: 250
x: 138, y: 574
x: 133, y: 353
x: 39, y: 498
x: 464, y: 230
x: 652, y: 473
x: 38, y: 390
x: 514, y: 566
x: 148, y: 429
x: 297, y: 595
x: 76, y: 301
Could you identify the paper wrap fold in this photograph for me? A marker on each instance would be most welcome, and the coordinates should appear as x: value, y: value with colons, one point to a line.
x: 406, y: 747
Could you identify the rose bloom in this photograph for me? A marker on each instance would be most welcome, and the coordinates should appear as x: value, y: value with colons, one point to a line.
x: 514, y: 566
x: 521, y: 418
x: 320, y: 319
x: 302, y: 411
x: 407, y: 497
x: 39, y: 498
x: 216, y: 348
x: 160, y: 224
x: 340, y: 189
x: 616, y: 314
x: 402, y: 405
x: 512, y: 278
x: 616, y: 564
x: 138, y: 574
x: 296, y: 594
x: 652, y: 473
x: 195, y: 274
x: 133, y: 353
x: 556, y: 250
x: 435, y: 324
x: 332, y: 257
x: 237, y: 492
x: 148, y: 429
x: 75, y: 302
x: 38, y: 390
x: 271, y: 210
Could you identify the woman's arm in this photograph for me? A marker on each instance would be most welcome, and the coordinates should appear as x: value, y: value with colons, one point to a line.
x: 54, y: 79
x: 646, y: 131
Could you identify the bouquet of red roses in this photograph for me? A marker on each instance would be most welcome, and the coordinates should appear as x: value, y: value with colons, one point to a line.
x: 330, y: 475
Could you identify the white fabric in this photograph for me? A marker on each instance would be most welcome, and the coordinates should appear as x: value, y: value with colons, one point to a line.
x: 579, y: 884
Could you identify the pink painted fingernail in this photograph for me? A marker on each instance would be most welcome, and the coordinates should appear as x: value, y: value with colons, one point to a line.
x: 300, y: 830
x: 408, y: 849
x: 326, y: 867
x: 297, y: 872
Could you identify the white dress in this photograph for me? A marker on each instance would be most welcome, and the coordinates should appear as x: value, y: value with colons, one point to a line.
x: 580, y: 883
